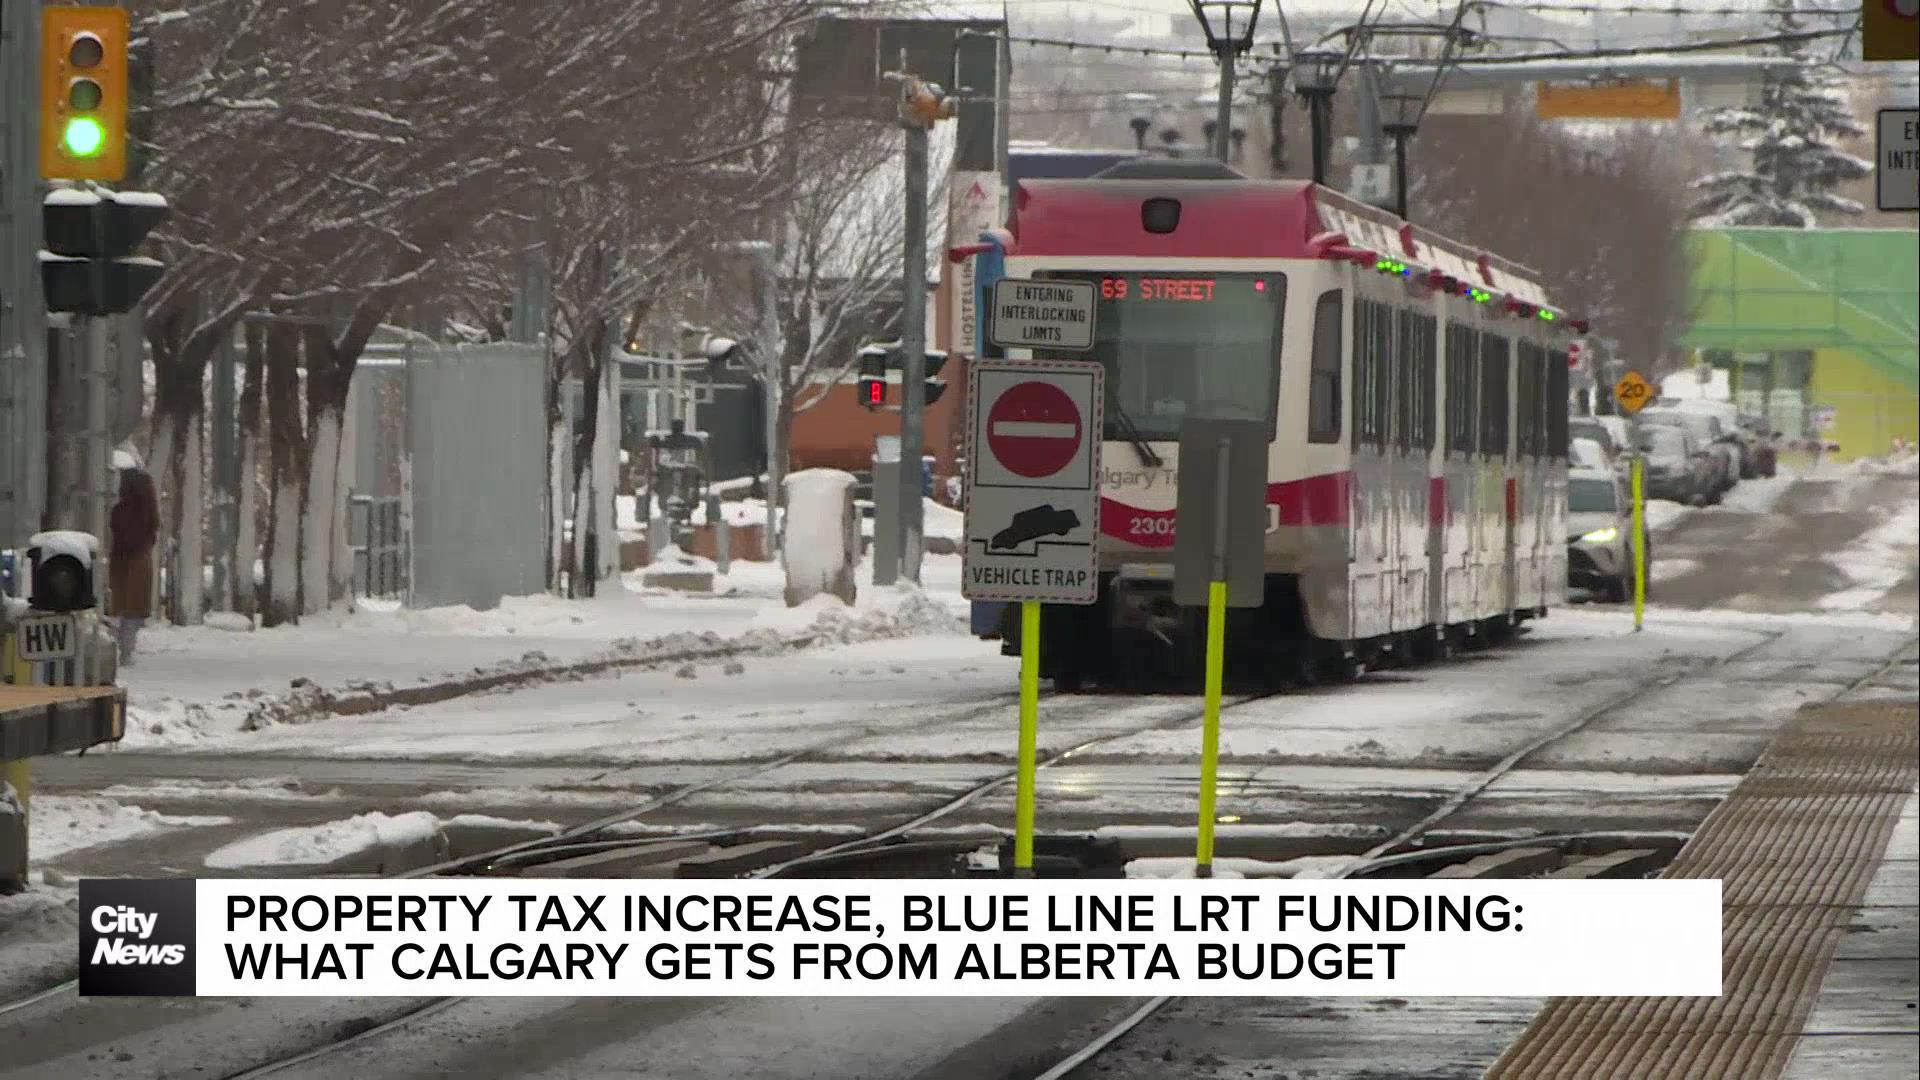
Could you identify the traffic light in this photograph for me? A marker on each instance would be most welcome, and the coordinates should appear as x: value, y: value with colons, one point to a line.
x: 61, y: 570
x: 935, y: 386
x: 873, y: 376
x: 83, y: 93
x: 89, y: 267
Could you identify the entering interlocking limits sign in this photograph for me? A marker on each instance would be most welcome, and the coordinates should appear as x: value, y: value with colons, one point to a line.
x: 1897, y: 159
x: 1043, y: 314
x: 1633, y: 392
x: 1033, y: 468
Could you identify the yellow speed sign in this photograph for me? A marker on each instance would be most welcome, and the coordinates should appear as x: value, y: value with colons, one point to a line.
x: 1633, y: 392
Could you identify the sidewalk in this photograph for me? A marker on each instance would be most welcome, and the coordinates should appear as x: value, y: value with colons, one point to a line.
x: 190, y: 684
x: 1864, y: 1025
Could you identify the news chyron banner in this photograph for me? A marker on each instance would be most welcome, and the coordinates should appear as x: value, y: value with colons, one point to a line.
x: 1273, y: 937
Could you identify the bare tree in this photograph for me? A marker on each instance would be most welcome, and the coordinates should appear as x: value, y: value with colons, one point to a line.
x: 829, y: 281
x: 1602, y: 219
x: 325, y: 177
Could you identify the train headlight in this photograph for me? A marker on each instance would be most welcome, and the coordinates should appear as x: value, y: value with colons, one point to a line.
x: 1601, y: 536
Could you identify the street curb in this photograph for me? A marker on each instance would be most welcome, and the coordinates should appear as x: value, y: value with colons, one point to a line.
x: 309, y: 703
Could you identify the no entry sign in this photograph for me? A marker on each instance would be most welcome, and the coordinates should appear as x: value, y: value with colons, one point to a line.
x: 1033, y: 467
x: 1035, y: 429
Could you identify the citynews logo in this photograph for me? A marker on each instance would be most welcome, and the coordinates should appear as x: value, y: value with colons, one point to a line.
x: 119, y: 950
x: 136, y: 938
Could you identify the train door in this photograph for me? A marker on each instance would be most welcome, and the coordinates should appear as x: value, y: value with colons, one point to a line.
x: 1435, y: 466
x: 1461, y: 473
x: 1413, y: 388
x: 1497, y: 360
x: 1369, y: 442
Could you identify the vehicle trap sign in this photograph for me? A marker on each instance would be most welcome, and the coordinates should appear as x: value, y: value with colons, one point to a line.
x: 1043, y: 314
x: 1033, y: 480
x: 493, y: 937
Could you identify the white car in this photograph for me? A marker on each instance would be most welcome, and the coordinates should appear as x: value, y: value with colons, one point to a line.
x: 1600, y: 534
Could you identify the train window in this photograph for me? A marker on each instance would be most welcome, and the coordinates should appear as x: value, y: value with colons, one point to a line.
x: 1323, y: 395
x: 1372, y: 368
x: 1406, y: 381
x: 1496, y: 373
x: 1557, y: 405
x: 1383, y: 375
x: 1183, y: 344
x: 1463, y: 387
x: 1427, y: 372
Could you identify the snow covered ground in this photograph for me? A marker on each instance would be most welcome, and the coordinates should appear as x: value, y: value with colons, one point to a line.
x: 192, y: 684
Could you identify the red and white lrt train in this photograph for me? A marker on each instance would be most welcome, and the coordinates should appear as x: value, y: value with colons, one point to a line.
x: 1414, y: 390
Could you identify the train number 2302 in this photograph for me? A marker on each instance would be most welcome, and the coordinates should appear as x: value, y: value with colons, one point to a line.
x: 1143, y: 526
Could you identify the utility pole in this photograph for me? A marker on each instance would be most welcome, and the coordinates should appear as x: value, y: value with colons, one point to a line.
x: 1223, y: 112
x: 921, y: 106
x: 1365, y: 183
x: 1228, y: 25
x: 23, y: 333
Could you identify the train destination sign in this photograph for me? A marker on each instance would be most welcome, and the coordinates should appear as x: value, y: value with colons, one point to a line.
x: 1043, y: 314
x: 1033, y: 480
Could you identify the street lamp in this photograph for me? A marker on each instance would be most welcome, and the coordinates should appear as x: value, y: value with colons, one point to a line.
x: 1315, y: 74
x: 1228, y: 25
x: 1400, y: 118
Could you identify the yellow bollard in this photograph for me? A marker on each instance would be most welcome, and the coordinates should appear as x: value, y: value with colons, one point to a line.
x: 1210, y: 730
x: 1029, y: 737
x: 1639, y: 546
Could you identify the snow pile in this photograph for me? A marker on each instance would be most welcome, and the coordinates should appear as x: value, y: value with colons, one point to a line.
x: 329, y: 842
x: 900, y: 611
x: 1663, y: 513
x: 63, y: 824
x: 674, y: 559
x: 1877, y: 562
x: 259, y: 789
x: 38, y: 929
x: 1181, y: 868
x: 1757, y: 496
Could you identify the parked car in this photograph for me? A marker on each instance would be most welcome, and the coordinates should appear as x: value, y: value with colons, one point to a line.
x: 1600, y: 547
x: 1590, y: 427
x: 1742, y: 440
x: 1766, y: 445
x: 1711, y: 439
x: 1676, y: 468
x: 1583, y: 453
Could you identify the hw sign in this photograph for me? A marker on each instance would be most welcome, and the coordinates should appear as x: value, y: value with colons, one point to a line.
x: 46, y: 637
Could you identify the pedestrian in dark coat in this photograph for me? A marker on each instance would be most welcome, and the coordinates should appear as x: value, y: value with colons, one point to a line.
x: 133, y: 530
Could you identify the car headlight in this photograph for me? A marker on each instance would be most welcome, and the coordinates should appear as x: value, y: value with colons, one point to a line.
x: 1601, y: 536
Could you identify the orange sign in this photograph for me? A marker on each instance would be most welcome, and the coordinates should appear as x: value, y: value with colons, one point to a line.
x: 1627, y: 99
x: 1890, y: 30
x: 1633, y: 392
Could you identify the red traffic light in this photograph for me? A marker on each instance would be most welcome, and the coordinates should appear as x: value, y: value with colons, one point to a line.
x: 873, y: 392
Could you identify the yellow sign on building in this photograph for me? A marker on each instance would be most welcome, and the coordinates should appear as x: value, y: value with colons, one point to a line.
x: 1626, y: 99
x: 1890, y: 30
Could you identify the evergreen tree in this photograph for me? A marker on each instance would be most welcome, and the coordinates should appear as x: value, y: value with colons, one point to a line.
x: 1791, y: 134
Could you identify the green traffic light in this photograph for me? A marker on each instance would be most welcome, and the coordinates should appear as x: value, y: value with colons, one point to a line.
x: 85, y: 136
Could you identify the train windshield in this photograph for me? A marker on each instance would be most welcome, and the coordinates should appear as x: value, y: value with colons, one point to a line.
x: 1179, y: 345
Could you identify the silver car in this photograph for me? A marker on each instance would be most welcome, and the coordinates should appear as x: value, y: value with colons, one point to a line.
x: 1600, y: 544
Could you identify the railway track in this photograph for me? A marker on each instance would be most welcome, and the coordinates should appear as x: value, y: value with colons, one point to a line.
x: 867, y: 842
x: 1398, y: 851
